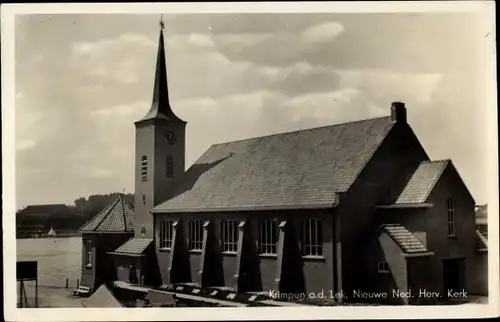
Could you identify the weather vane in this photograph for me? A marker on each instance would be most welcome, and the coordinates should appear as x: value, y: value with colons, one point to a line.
x: 162, y: 23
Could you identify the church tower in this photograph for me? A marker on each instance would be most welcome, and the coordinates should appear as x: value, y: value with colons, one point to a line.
x: 159, y: 150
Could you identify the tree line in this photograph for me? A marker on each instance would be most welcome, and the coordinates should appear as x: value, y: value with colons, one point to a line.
x: 65, y: 218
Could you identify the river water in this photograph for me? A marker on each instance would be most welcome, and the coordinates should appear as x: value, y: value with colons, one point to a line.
x: 58, y: 259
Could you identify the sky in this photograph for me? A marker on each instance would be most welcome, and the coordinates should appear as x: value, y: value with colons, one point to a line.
x: 82, y: 80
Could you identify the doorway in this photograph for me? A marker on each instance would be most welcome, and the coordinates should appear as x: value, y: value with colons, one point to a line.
x: 453, y: 275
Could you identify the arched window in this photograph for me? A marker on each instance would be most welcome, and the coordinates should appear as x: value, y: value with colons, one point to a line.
x: 195, y: 235
x: 166, y: 234
x: 268, y: 236
x: 88, y: 253
x: 451, y: 217
x: 312, y: 237
x: 229, y: 236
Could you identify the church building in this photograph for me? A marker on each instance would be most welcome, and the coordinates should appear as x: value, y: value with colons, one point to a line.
x: 340, y: 208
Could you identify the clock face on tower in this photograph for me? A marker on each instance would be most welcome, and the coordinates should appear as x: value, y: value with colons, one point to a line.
x: 170, y: 137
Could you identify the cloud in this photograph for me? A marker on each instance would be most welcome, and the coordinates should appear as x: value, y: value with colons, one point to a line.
x: 250, y: 75
x: 135, y: 109
x: 241, y: 41
x: 381, y: 83
x: 100, y: 173
x: 323, y: 32
x: 201, y: 40
x: 119, y: 58
x: 264, y: 112
x: 122, y: 42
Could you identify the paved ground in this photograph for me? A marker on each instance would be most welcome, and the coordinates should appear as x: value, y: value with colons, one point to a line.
x: 52, y: 297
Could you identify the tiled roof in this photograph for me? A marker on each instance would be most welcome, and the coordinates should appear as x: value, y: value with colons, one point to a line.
x: 115, y: 217
x: 134, y: 246
x: 297, y: 169
x: 481, y: 241
x: 102, y: 298
x: 408, y: 243
x: 422, y: 182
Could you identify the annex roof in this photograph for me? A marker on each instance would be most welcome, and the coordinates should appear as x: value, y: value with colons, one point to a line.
x: 133, y: 246
x: 301, y: 169
x: 422, y: 182
x: 117, y: 216
x: 481, y: 240
x: 408, y: 243
x: 102, y: 297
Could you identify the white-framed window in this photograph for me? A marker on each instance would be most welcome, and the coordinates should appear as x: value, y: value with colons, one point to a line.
x: 144, y: 168
x: 451, y: 217
x: 166, y: 234
x: 268, y: 236
x: 312, y: 237
x: 383, y: 267
x: 169, y: 166
x: 229, y: 233
x: 88, y: 253
x: 195, y: 235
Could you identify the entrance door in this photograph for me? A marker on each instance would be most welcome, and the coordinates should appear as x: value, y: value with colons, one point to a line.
x: 453, y: 275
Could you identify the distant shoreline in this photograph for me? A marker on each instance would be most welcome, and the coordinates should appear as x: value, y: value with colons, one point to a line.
x: 61, y: 235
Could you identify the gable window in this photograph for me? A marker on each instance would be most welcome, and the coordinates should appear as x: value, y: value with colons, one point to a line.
x: 166, y: 234
x: 229, y: 236
x: 144, y: 168
x: 451, y: 217
x: 268, y: 236
x: 88, y: 253
x: 383, y: 267
x: 312, y: 237
x: 195, y: 235
x: 170, y: 166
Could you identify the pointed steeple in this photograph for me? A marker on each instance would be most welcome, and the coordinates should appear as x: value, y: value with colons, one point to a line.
x: 160, y: 107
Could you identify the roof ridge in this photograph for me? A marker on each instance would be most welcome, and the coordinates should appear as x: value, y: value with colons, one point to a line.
x: 302, y: 130
x: 436, y: 161
x: 111, y: 206
x: 123, y: 213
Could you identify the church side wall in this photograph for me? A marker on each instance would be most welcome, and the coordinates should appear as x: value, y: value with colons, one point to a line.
x: 316, y: 273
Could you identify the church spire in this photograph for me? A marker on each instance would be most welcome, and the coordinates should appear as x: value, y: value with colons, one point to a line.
x: 160, y: 106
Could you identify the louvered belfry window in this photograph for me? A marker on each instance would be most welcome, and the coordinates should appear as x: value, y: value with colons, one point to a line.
x: 170, y: 166
x: 144, y: 168
x: 195, y: 235
x: 229, y: 236
x: 268, y: 236
x: 312, y: 237
x: 166, y: 234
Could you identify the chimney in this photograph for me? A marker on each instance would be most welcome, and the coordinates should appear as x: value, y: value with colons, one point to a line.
x: 398, y: 112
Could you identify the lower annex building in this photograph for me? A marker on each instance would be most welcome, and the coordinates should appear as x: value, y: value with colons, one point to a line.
x: 357, y: 205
